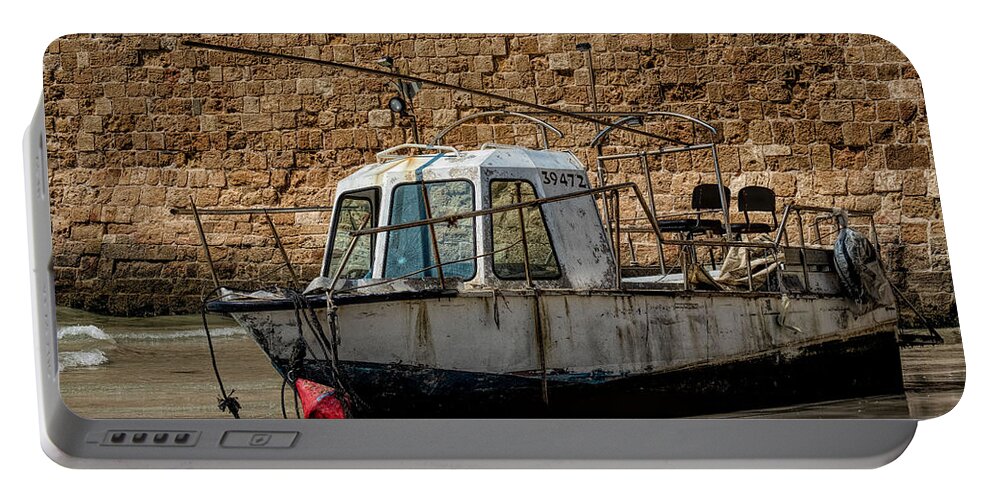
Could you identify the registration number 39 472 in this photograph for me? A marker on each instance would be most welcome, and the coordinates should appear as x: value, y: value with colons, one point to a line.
x: 566, y: 179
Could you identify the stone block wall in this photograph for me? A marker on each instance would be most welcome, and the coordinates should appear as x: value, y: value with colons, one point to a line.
x: 138, y: 124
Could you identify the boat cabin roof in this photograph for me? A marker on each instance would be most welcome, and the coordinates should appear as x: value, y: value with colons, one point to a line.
x: 451, y: 164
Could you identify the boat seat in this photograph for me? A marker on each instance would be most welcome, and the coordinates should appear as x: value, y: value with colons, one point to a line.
x: 755, y: 199
x: 705, y: 197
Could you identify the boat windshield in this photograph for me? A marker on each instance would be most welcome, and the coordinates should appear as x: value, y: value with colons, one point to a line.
x: 409, y: 250
x: 508, y: 259
x: 354, y: 212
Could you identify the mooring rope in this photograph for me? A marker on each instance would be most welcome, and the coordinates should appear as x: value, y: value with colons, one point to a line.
x: 282, y: 398
x: 305, y: 315
x: 227, y: 402
x: 328, y: 346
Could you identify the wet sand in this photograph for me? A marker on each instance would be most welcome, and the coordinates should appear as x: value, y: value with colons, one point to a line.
x: 160, y: 368
x: 933, y: 380
x: 149, y: 374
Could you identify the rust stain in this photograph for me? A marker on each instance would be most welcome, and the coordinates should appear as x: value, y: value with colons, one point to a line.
x: 425, y: 345
x: 546, y: 326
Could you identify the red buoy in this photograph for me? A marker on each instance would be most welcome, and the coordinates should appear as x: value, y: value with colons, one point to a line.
x: 320, y: 401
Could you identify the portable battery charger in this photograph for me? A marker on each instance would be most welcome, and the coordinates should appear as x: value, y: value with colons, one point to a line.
x: 266, y: 250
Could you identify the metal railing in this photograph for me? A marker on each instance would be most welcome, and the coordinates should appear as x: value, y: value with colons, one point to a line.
x: 688, y: 247
x: 388, y: 154
x: 519, y: 207
x: 840, y: 217
x: 542, y: 125
x: 613, y: 194
x: 265, y: 212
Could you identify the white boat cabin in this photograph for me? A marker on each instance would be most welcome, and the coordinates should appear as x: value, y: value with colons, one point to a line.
x: 566, y: 242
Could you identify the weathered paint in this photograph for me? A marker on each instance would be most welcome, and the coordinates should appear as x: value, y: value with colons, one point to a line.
x: 616, y: 334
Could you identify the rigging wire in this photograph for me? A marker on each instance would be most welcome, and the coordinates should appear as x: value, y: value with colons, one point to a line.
x: 426, y: 81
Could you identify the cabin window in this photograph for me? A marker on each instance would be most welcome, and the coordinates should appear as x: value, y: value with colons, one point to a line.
x: 508, y: 247
x: 410, y: 252
x: 352, y: 213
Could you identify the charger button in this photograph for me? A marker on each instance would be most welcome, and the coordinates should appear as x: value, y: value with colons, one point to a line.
x: 258, y: 439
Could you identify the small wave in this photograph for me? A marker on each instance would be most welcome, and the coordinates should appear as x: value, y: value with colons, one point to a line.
x: 82, y: 331
x: 180, y: 334
x: 79, y: 359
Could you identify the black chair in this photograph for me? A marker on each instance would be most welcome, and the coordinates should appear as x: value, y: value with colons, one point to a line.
x: 755, y: 199
x: 705, y: 197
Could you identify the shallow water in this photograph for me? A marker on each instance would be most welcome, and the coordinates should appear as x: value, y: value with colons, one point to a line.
x: 160, y: 367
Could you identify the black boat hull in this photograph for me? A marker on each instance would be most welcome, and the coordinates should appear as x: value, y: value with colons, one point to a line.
x: 866, y: 365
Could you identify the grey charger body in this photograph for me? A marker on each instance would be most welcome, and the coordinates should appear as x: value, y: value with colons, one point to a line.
x: 74, y: 441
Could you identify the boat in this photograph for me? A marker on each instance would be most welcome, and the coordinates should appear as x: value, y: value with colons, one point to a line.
x: 507, y: 281
x: 545, y: 321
